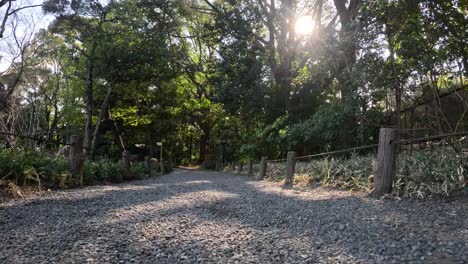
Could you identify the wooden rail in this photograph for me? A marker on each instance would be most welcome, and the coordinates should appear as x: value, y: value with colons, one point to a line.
x: 384, y: 166
x: 337, y: 152
x: 431, y: 138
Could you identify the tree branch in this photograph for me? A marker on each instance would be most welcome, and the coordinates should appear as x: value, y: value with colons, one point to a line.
x: 24, y: 7
x: 2, y: 27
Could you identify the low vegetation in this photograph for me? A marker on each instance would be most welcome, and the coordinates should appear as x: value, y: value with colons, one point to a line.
x: 420, y: 173
x: 431, y: 173
x: 27, y: 168
x: 199, y: 81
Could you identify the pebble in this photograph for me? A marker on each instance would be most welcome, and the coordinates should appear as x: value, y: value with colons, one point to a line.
x: 208, y: 217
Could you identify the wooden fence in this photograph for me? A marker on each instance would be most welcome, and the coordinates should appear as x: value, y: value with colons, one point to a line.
x: 436, y: 112
x: 76, y: 156
x: 76, y: 161
x: 384, y: 167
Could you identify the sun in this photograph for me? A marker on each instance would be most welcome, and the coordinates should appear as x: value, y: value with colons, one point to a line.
x: 304, y: 25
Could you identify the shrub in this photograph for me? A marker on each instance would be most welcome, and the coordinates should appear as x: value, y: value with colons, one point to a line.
x: 101, y: 171
x: 419, y: 173
x: 25, y: 167
x: 427, y: 172
x: 275, y: 171
x: 138, y: 170
x: 353, y: 173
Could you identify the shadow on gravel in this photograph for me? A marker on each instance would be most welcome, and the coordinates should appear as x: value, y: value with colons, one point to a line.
x: 353, y: 227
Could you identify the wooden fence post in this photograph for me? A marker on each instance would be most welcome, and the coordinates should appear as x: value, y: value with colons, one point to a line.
x: 221, y: 166
x: 148, y: 164
x: 232, y: 166
x: 125, y: 164
x: 290, y: 169
x: 76, y: 158
x: 240, y: 168
x: 161, y: 166
x: 249, y: 167
x: 262, y: 169
x: 386, y: 162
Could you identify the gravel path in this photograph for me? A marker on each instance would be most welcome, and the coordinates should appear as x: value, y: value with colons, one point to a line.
x: 207, y: 217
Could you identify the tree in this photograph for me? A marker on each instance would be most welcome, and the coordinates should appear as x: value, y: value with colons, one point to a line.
x: 82, y: 25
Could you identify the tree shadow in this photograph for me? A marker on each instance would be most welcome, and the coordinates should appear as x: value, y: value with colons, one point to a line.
x: 151, y: 218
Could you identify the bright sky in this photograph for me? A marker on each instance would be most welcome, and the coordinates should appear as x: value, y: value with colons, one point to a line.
x: 29, y: 21
x: 304, y: 25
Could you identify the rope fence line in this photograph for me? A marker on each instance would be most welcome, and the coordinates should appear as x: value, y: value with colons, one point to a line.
x: 401, y: 142
x: 384, y: 165
x: 431, y: 138
x: 413, y: 129
x: 277, y: 160
x: 28, y: 137
x: 337, y: 151
x: 39, y: 139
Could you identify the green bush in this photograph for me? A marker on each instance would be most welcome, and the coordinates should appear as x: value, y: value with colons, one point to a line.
x: 102, y: 171
x: 25, y: 167
x: 138, y: 170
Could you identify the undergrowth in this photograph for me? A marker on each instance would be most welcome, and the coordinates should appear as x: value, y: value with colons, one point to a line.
x: 419, y: 173
x: 27, y: 168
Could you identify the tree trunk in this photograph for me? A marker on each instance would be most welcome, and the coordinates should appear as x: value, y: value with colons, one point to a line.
x: 117, y: 134
x: 149, y: 132
x: 104, y: 106
x: 347, y: 56
x: 346, y: 61
x: 53, y: 126
x: 396, y: 79
x: 190, y: 147
x: 89, y: 107
x: 465, y: 65
x: 203, y: 148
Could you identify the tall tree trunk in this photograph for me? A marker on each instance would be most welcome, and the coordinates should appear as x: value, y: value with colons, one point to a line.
x: 396, y: 81
x: 347, y: 55
x: 104, y: 106
x: 282, y: 52
x: 117, y: 132
x: 203, y: 148
x: 465, y: 65
x: 53, y: 126
x: 149, y: 132
x: 346, y: 61
x: 89, y: 107
x: 190, y: 147
x: 204, y: 144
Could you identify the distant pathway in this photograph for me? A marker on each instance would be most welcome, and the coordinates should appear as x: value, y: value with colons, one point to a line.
x: 208, y: 217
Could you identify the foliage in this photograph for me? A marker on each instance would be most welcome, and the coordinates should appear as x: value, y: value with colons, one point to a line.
x: 34, y: 168
x: 273, y: 138
x: 101, y: 172
x: 431, y: 173
x: 30, y: 167
x: 138, y: 170
x: 247, y: 151
x: 348, y: 173
x: 420, y: 173
x: 231, y: 80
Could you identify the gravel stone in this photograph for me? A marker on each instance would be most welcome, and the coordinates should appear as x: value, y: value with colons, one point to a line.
x: 208, y: 217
